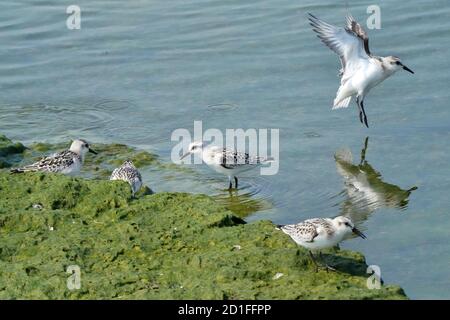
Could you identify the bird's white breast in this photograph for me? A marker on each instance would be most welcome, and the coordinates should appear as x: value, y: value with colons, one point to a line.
x: 74, y: 168
x: 368, y: 74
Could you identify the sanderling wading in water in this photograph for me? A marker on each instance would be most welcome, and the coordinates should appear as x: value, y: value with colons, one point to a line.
x: 361, y: 71
x: 127, y: 172
x: 225, y: 161
x: 67, y: 162
x: 321, y: 233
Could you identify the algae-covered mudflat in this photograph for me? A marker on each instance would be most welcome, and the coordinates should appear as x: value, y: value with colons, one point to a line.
x: 158, y: 246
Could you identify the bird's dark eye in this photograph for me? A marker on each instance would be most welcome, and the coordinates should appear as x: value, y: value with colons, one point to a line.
x: 397, y: 63
x: 86, y: 145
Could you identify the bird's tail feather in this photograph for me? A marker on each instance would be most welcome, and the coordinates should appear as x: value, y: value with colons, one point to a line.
x: 342, y: 103
x: 264, y: 160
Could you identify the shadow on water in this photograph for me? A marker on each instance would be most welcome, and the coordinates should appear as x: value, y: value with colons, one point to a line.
x: 365, y: 189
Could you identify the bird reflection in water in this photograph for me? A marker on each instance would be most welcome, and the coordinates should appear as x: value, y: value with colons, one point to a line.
x: 243, y: 203
x: 364, y: 188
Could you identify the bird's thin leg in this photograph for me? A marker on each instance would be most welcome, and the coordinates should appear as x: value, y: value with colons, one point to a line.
x: 364, y: 112
x: 230, y: 185
x: 316, y: 266
x: 236, y: 182
x: 324, y: 265
x: 360, y: 110
x: 328, y: 268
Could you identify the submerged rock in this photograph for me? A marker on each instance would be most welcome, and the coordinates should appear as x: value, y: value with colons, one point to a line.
x: 9, y: 151
x: 159, y: 246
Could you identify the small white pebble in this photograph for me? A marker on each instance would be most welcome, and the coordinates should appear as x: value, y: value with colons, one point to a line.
x: 37, y: 206
x: 237, y: 247
x: 51, y: 228
x: 278, y: 276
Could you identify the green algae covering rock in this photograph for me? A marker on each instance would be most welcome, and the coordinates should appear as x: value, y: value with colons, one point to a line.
x: 160, y: 246
x: 9, y: 151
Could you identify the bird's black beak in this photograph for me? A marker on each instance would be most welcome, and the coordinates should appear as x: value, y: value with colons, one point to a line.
x: 185, y: 155
x: 358, y: 233
x: 407, y: 69
x: 92, y: 151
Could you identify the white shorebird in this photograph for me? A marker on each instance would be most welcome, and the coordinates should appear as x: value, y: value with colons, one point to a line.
x: 225, y: 161
x: 361, y: 71
x: 67, y: 162
x: 127, y: 172
x: 321, y: 233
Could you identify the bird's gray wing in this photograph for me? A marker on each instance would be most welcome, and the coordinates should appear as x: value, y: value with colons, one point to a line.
x: 346, y: 43
x: 126, y: 172
x: 134, y: 173
x: 52, y: 163
x: 115, y: 174
x: 233, y: 159
x: 359, y: 31
x: 321, y: 225
x: 303, y: 231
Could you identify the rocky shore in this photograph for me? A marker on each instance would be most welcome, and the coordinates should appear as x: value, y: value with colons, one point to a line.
x: 157, y: 246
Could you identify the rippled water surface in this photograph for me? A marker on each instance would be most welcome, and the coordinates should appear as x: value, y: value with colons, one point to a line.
x: 137, y: 70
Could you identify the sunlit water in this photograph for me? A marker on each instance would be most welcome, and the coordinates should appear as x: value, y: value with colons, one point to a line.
x: 137, y: 70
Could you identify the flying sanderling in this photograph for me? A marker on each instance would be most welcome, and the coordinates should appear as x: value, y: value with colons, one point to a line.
x: 127, y: 172
x: 321, y: 233
x: 225, y: 161
x: 68, y: 161
x: 361, y: 71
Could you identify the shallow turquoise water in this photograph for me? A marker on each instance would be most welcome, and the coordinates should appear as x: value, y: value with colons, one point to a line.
x: 137, y: 70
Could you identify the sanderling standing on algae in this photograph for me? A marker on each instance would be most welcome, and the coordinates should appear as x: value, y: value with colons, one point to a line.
x: 321, y: 233
x: 127, y: 172
x: 68, y: 161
